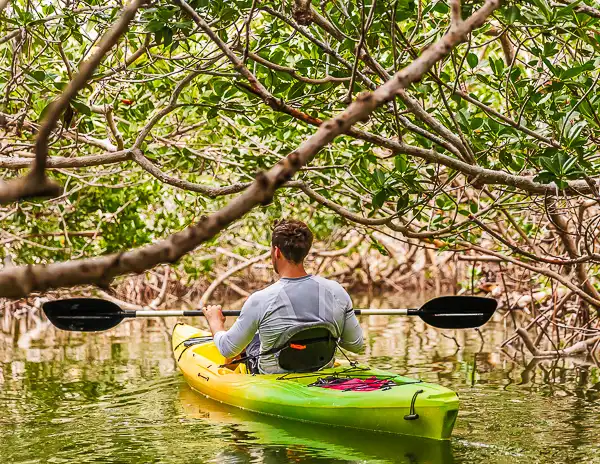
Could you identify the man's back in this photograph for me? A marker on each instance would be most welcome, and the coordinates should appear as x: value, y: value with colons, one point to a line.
x: 288, y: 303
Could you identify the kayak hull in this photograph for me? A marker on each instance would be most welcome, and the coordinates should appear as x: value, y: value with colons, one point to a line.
x: 289, y: 396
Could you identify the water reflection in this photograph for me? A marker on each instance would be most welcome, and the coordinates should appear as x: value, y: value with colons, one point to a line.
x: 117, y: 397
x: 309, y: 440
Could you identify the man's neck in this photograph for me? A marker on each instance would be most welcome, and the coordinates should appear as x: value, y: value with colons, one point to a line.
x: 292, y: 272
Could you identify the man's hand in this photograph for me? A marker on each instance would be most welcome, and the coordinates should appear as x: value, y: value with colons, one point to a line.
x: 215, y: 318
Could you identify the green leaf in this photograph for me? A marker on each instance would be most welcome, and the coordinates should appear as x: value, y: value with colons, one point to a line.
x: 441, y: 7
x: 212, y: 113
x: 551, y: 67
x: 547, y: 164
x: 81, y: 107
x: 264, y: 122
x: 544, y: 7
x: 221, y: 86
x: 158, y: 36
x: 544, y: 177
x: 168, y: 36
x: 401, y: 163
x: 473, y: 60
x: 517, y: 162
x: 492, y: 65
x: 45, y: 111
x: 576, y: 70
x: 228, y: 14
x: 378, y: 246
x: 561, y: 184
x: 154, y: 26
x: 499, y: 65
x: 567, y: 10
x: 304, y: 64
x: 379, y: 198
x: 476, y: 123
x: 576, y: 130
x: 550, y: 49
x: 515, y: 74
x: 39, y: 75
x: 403, y: 202
x: 379, y: 177
x: 511, y: 14
x: 463, y: 118
x: 296, y: 91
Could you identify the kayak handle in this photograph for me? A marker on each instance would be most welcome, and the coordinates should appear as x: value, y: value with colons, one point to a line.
x: 412, y: 415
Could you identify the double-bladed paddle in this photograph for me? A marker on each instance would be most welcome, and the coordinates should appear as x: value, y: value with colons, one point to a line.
x: 93, y: 314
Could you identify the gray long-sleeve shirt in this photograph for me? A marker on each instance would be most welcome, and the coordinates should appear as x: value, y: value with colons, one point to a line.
x: 288, y: 303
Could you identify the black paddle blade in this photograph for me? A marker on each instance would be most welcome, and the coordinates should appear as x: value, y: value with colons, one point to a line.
x: 83, y: 314
x: 458, y: 312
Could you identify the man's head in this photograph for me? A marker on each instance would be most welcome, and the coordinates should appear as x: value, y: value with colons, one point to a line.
x: 290, y: 243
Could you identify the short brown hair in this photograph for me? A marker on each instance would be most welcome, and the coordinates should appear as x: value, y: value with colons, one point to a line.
x: 293, y: 238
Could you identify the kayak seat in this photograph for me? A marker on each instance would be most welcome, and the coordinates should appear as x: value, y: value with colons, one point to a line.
x: 307, y: 349
x: 304, y: 348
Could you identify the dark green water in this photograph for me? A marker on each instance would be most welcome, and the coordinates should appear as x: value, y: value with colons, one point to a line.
x: 118, y: 397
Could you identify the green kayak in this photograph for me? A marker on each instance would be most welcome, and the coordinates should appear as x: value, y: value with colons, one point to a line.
x: 405, y: 406
x: 321, y: 441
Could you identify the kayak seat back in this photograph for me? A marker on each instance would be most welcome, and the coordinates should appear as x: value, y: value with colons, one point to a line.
x: 306, y: 348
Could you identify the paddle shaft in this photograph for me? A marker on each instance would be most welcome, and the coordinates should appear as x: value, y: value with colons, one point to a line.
x: 94, y: 314
x: 358, y: 312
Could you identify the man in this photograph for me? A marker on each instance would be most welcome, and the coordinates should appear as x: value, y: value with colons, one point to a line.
x: 297, y: 298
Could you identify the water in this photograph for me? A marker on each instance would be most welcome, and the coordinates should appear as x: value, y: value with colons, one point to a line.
x: 118, y: 397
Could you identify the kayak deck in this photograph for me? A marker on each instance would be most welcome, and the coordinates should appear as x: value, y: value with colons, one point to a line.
x: 289, y: 395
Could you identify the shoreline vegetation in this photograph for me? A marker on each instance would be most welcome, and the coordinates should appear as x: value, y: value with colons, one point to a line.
x: 540, y: 321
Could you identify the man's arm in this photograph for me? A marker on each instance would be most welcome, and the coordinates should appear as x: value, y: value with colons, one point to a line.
x: 352, y: 335
x: 232, y: 342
